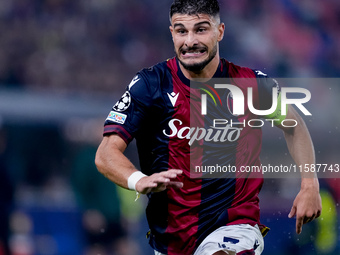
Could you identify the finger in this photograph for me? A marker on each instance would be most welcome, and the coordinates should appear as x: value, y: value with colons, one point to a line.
x: 299, y: 223
x: 161, y: 180
x: 309, y: 218
x: 175, y: 171
x: 318, y: 214
x: 161, y: 177
x: 151, y: 185
x: 292, y: 212
x: 160, y: 187
x: 176, y: 185
x: 171, y: 173
x: 306, y: 220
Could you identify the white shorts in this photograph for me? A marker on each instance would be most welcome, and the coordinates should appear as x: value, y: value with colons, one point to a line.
x: 235, y: 239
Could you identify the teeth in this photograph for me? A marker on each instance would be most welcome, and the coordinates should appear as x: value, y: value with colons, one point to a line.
x: 192, y: 53
x: 196, y: 52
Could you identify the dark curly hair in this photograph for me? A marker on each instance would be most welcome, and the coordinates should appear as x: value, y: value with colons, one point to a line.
x: 194, y: 7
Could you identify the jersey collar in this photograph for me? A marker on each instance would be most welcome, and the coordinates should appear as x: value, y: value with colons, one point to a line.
x: 186, y: 81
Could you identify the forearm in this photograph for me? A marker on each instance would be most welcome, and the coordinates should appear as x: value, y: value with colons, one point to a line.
x: 112, y: 163
x: 307, y: 204
x: 301, y: 149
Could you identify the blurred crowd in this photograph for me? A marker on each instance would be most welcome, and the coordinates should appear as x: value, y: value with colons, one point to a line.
x: 79, y: 45
x: 52, y: 199
x: 98, y: 45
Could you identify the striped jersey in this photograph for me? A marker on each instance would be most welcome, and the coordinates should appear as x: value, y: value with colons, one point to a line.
x: 162, y: 110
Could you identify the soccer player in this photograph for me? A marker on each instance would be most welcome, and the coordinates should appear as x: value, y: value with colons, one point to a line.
x: 198, y: 215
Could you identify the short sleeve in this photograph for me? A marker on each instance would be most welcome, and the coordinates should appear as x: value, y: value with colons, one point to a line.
x: 126, y: 116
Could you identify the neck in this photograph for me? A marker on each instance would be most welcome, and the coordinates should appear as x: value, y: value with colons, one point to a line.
x: 207, y: 72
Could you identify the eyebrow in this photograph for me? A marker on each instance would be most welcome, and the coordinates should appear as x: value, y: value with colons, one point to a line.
x: 196, y: 25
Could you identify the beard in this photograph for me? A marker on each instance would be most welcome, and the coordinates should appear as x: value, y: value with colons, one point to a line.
x: 198, y: 67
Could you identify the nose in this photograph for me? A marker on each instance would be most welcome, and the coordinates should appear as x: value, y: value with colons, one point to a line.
x: 191, y: 40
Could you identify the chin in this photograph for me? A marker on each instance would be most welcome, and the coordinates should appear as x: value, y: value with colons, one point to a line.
x: 194, y: 66
x: 197, y: 64
x: 192, y: 63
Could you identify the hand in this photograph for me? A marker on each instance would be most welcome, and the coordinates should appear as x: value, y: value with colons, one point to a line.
x: 306, y: 207
x: 159, y: 181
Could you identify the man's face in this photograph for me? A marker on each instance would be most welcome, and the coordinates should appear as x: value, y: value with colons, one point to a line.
x: 196, y: 39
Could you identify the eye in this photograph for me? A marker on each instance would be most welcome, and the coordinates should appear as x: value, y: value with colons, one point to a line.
x: 181, y: 31
x: 201, y: 30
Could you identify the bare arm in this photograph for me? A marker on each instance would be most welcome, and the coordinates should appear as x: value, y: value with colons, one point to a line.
x: 307, y: 204
x: 113, y: 164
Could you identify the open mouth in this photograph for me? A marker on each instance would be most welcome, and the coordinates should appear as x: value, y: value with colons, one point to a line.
x: 193, y: 52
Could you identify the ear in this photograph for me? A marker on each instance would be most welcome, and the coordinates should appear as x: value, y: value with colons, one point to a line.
x: 171, y: 31
x: 221, y: 28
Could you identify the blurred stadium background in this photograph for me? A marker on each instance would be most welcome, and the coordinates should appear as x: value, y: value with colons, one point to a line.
x: 63, y: 64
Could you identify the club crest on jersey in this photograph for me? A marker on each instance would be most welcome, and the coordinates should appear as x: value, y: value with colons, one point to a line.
x: 123, y: 103
x: 116, y: 117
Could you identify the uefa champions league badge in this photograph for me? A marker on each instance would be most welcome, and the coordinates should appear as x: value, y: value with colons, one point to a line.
x: 123, y: 103
x: 116, y: 117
